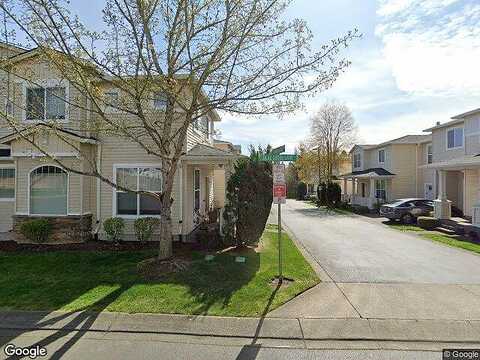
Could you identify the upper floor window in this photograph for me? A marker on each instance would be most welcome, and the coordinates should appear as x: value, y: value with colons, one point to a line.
x: 429, y: 154
x: 5, y: 152
x: 455, y: 138
x: 357, y: 160
x: 160, y: 101
x: 112, y: 100
x: 9, y: 108
x: 381, y: 156
x: 201, y: 124
x: 46, y: 103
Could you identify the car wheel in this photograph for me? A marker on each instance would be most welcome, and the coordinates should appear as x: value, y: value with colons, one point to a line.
x: 408, y: 219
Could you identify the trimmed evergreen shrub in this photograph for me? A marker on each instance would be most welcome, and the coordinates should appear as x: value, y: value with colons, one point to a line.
x: 114, y: 228
x: 144, y: 228
x: 333, y: 193
x: 36, y: 230
x: 301, y: 190
x: 249, y: 200
x: 427, y: 223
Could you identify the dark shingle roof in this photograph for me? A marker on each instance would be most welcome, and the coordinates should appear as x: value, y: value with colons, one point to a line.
x: 372, y: 171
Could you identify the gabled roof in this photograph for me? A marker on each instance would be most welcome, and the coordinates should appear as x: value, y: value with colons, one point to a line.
x: 447, y: 124
x: 465, y: 114
x: 407, y: 139
x: 203, y: 150
x: 369, y: 173
x: 78, y: 137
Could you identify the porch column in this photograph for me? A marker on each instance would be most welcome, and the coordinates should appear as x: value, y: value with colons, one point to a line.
x: 442, y: 206
x: 371, y: 201
x: 345, y: 192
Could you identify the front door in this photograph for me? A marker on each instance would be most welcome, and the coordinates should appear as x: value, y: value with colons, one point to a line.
x: 429, y: 191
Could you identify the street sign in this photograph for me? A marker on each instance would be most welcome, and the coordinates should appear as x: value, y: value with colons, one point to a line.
x: 278, y: 173
x: 278, y: 150
x: 278, y: 157
x: 280, y: 194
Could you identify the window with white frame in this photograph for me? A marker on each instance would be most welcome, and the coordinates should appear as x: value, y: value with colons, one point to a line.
x: 5, y: 151
x: 429, y: 154
x: 9, y: 108
x: 201, y: 124
x: 380, y: 189
x: 357, y: 160
x: 381, y: 156
x: 7, y: 184
x: 48, y: 191
x: 160, y: 101
x: 47, y: 103
x: 196, y: 190
x: 455, y: 138
x: 147, y: 179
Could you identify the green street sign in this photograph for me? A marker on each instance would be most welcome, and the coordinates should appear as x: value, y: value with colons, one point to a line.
x: 278, y: 150
x: 278, y: 157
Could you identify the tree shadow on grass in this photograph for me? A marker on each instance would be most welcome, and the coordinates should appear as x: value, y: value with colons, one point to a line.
x: 73, y: 277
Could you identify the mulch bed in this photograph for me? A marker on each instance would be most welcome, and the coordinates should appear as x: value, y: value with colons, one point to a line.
x: 12, y: 246
x: 153, y: 269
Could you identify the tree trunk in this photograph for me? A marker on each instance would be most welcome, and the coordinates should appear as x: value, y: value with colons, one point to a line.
x: 165, y: 248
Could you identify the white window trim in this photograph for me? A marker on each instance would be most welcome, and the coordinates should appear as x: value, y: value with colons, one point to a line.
x: 10, y: 166
x: 114, y: 190
x: 152, y: 102
x: 384, y: 156
x: 29, y: 212
x: 380, y: 181
x: 46, y: 84
x: 199, y: 132
x: 199, y: 190
x: 463, y: 138
x: 110, y: 109
x: 7, y: 100
x: 431, y: 146
x: 360, y: 160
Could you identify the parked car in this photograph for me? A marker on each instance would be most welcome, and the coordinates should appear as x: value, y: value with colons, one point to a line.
x: 407, y: 210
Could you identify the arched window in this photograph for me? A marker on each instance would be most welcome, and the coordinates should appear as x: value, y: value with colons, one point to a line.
x: 48, y: 191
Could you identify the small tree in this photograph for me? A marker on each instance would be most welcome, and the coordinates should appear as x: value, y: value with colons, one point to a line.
x: 291, y: 179
x: 301, y: 190
x: 249, y: 199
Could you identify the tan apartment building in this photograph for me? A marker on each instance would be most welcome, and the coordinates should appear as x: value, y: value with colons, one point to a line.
x: 390, y: 170
x: 33, y: 186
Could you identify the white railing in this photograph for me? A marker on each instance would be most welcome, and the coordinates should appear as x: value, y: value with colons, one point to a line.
x: 476, y: 215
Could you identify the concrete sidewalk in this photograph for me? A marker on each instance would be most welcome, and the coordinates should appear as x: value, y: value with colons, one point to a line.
x: 294, y: 329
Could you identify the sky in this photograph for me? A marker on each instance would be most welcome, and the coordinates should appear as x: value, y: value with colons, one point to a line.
x: 417, y: 63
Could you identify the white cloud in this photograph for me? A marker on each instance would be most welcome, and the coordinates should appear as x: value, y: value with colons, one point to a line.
x: 432, y: 47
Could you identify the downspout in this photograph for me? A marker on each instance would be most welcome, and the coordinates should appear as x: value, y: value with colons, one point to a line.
x: 98, y: 205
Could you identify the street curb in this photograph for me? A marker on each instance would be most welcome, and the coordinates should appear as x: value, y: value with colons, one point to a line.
x: 307, y: 329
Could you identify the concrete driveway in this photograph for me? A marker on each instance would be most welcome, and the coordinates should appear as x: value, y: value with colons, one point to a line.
x: 369, y: 270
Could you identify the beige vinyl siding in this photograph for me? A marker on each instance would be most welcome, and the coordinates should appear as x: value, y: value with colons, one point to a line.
x: 219, y: 188
x: 26, y: 165
x: 195, y: 137
x: 50, y: 144
x: 439, y: 141
x: 404, y: 167
x: 7, y: 209
x: 116, y: 151
x: 472, y: 186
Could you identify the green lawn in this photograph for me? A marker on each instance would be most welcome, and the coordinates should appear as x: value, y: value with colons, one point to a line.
x: 450, y: 240
x: 97, y: 281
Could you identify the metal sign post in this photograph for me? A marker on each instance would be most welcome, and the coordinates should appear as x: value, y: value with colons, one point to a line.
x: 279, y: 197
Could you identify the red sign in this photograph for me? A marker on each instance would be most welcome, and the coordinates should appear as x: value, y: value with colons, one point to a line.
x: 279, y: 194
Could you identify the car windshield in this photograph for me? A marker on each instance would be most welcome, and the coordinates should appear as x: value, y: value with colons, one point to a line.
x: 397, y: 202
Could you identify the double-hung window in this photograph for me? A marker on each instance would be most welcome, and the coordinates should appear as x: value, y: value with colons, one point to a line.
x: 429, y: 154
x: 455, y: 138
x: 196, y: 190
x: 9, y: 108
x: 357, y: 160
x: 146, y: 179
x: 7, y: 184
x: 201, y: 124
x: 381, y: 156
x: 160, y: 101
x: 46, y: 103
x: 380, y: 189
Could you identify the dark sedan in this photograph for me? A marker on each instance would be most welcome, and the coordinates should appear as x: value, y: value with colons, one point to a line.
x: 407, y: 210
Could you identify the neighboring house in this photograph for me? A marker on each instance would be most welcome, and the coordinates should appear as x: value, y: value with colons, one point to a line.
x: 390, y: 170
x: 344, y: 165
x: 456, y: 163
x: 32, y: 186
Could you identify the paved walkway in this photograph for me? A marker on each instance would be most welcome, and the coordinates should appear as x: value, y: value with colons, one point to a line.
x: 370, y: 271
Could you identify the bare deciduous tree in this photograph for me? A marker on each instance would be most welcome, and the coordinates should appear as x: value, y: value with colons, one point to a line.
x: 332, y: 131
x: 233, y: 55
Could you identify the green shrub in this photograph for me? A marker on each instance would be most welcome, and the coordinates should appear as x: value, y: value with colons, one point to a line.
x: 249, y: 200
x: 37, y: 230
x: 333, y: 193
x: 114, y: 228
x: 301, y: 190
x: 361, y: 210
x: 427, y: 223
x: 144, y: 228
